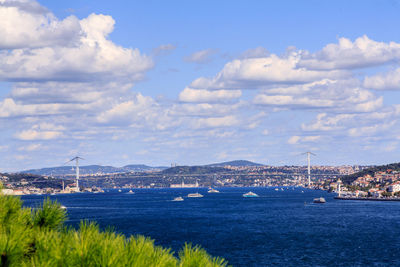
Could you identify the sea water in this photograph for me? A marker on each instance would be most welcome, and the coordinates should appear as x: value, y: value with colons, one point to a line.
x: 279, y: 228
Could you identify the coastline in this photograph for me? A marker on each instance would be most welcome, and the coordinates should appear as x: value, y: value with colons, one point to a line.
x: 367, y: 198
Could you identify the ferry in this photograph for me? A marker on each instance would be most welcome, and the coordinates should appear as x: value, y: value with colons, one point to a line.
x: 194, y: 195
x: 212, y: 190
x: 178, y: 199
x: 250, y: 194
x: 319, y: 200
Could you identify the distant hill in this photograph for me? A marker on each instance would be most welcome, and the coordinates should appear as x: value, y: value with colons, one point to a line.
x: 194, y: 170
x: 92, y: 169
x: 348, y: 179
x: 236, y: 163
x: 142, y: 167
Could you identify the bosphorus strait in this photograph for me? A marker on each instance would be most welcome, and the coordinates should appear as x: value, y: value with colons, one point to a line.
x: 279, y: 228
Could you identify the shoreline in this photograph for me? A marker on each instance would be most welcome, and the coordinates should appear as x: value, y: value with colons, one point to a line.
x: 367, y: 198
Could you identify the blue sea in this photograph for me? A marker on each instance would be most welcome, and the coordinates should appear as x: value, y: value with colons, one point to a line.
x: 279, y: 228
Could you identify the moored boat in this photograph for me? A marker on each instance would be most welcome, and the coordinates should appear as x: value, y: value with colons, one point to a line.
x: 250, y: 194
x: 319, y: 200
x: 212, y: 190
x: 178, y: 199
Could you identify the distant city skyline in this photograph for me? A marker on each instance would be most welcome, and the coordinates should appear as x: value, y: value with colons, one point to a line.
x: 199, y: 82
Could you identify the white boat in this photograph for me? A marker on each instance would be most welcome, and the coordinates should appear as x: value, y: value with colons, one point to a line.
x: 194, y: 195
x: 276, y: 189
x: 63, y: 207
x: 212, y: 190
x: 131, y: 192
x: 319, y: 200
x: 178, y: 199
x: 250, y: 194
x: 119, y: 190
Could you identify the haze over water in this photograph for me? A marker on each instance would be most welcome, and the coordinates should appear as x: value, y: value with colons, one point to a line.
x: 280, y: 228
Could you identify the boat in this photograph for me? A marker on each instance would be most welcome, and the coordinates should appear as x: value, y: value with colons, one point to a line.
x: 63, y: 207
x: 319, y: 200
x: 194, y: 195
x: 250, y: 194
x: 212, y: 190
x: 276, y: 189
x: 131, y: 192
x: 119, y: 190
x: 178, y: 199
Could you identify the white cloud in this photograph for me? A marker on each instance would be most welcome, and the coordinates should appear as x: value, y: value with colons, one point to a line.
x: 37, y: 135
x: 326, y: 94
x: 250, y: 73
x: 384, y: 81
x: 27, y: 24
x: 42, y: 131
x: 363, y: 52
x: 31, y: 147
x: 199, y: 95
x: 301, y: 139
x: 212, y: 122
x: 203, y: 109
x: 201, y: 57
x: 294, y: 140
x: 328, y: 123
x: 370, y: 130
x: 44, y: 48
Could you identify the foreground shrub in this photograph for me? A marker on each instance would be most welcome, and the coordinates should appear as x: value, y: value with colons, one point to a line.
x: 38, y: 237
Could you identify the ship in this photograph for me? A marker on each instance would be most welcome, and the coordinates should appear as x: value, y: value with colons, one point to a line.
x: 194, y: 195
x: 178, y: 199
x: 319, y: 200
x: 250, y: 194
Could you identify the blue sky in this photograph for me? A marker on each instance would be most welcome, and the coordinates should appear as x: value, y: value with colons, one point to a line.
x: 156, y: 82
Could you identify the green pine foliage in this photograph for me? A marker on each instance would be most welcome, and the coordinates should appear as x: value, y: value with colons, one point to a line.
x: 38, y: 237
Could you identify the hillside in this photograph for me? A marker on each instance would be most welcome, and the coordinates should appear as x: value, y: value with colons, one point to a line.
x: 348, y: 179
x: 194, y: 170
x: 236, y: 163
x: 91, y: 169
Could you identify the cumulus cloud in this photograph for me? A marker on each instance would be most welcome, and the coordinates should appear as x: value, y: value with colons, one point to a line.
x: 254, y: 73
x: 301, y: 139
x: 363, y: 52
x: 201, y: 57
x: 28, y: 24
x: 31, y: 147
x: 384, y: 81
x: 203, y: 109
x: 345, y: 95
x: 200, y: 95
x: 43, y: 48
x: 214, y: 122
x: 355, y: 124
x: 41, y: 132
